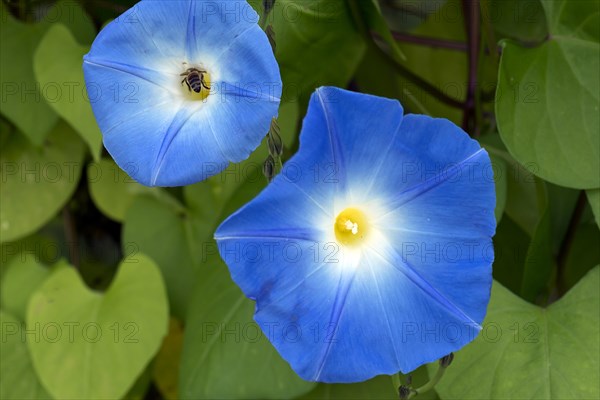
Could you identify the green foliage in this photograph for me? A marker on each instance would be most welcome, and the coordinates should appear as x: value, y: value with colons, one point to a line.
x: 57, y: 64
x: 560, y: 138
x: 594, y: 199
x: 171, y: 238
x: 21, y: 100
x: 374, y: 20
x: 584, y: 254
x: 17, y: 47
x: 19, y: 380
x: 523, y: 242
x: 20, y: 281
x: 37, y: 182
x: 443, y: 68
x: 501, y: 181
x: 517, y: 19
x: 221, y: 335
x: 528, y: 352
x: 298, y: 25
x: 165, y: 371
x: 112, y: 190
x: 534, y: 109
x: 406, y: 15
x: 101, y: 341
x: 380, y: 388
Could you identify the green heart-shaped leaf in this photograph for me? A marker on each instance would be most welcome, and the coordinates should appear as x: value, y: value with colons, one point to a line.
x: 112, y: 190
x: 548, y: 97
x: 94, y: 345
x: 527, y: 352
x: 19, y: 380
x: 23, y: 276
x: 22, y: 100
x: 58, y: 67
x: 37, y: 182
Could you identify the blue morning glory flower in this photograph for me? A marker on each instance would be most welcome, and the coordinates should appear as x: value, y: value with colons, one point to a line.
x: 371, y: 252
x: 181, y: 88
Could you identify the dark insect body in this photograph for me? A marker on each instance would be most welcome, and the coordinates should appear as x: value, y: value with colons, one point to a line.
x: 194, y: 79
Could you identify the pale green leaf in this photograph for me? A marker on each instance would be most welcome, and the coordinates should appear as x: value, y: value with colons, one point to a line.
x: 112, y: 190
x: 23, y: 276
x: 101, y: 341
x: 37, y: 182
x: 58, y: 67
x: 19, y: 380
x: 22, y: 100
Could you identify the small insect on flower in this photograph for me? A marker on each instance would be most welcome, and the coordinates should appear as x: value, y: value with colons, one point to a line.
x: 374, y: 246
x: 194, y: 79
x: 182, y: 88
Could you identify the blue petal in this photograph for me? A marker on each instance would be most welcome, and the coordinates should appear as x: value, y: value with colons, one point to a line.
x: 133, y: 75
x: 241, y: 120
x: 395, y: 320
x: 427, y: 152
x: 358, y: 324
x: 283, y: 225
x: 212, y: 26
x: 362, y: 129
x: 133, y: 115
x: 417, y: 290
x: 152, y: 34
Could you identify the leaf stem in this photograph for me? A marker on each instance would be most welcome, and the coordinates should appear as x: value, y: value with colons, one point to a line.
x: 409, y: 393
x: 429, y: 385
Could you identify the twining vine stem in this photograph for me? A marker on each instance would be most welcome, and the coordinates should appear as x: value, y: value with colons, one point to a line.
x: 430, y: 41
x: 472, y: 15
x: 357, y: 15
x: 407, y: 392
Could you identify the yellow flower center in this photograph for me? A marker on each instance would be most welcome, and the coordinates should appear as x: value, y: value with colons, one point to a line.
x: 351, y: 227
x: 195, y: 83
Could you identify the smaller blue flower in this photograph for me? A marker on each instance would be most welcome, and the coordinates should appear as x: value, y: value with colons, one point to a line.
x: 182, y: 88
x: 371, y: 252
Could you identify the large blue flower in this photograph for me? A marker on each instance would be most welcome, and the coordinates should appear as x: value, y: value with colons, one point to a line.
x: 371, y: 253
x: 182, y: 88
